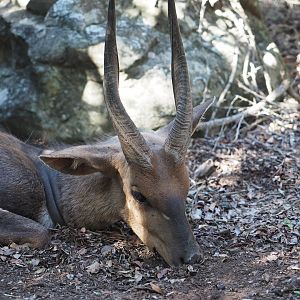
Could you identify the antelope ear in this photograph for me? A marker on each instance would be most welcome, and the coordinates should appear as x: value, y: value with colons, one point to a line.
x: 82, y: 160
x: 198, y: 112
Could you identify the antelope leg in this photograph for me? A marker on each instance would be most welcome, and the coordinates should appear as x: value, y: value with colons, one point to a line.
x: 21, y: 230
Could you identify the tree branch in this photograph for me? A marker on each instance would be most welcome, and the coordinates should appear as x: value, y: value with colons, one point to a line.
x: 250, y: 111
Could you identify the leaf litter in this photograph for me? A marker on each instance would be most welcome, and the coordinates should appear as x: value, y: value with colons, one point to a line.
x: 244, y: 214
x: 244, y: 209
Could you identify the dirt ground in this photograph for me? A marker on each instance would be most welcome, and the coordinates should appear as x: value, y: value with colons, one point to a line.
x: 245, y: 213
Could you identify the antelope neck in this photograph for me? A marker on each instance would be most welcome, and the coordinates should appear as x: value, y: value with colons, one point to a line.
x: 49, y: 181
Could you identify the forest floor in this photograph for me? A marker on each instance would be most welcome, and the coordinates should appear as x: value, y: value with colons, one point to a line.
x: 245, y: 214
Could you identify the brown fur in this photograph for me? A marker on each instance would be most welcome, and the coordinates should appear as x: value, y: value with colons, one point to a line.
x: 21, y: 191
x: 21, y: 230
x: 100, y: 196
x: 143, y: 181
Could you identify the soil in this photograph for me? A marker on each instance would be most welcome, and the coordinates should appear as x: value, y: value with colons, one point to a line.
x: 244, y: 210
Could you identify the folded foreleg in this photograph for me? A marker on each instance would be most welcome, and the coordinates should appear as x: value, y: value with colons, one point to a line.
x: 21, y: 230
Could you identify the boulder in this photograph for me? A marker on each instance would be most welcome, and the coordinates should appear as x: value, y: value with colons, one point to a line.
x: 39, y: 7
x: 51, y: 63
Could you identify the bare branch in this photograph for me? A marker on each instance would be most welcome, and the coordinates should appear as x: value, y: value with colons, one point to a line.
x: 250, y: 111
x: 201, y: 15
x: 231, y: 77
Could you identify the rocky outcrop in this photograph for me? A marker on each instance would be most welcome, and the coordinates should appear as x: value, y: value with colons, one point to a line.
x: 51, y: 66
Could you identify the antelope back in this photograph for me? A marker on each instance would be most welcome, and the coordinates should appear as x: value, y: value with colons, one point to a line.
x: 21, y: 191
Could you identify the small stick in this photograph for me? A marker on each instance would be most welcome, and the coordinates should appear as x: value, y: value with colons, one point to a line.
x: 252, y: 110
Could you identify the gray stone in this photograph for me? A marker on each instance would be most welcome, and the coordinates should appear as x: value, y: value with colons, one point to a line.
x: 40, y: 7
x: 51, y: 68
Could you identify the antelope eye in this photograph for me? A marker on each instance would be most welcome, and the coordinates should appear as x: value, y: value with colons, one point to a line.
x: 139, y: 196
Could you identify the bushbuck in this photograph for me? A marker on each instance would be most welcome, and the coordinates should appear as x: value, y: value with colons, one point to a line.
x: 140, y: 178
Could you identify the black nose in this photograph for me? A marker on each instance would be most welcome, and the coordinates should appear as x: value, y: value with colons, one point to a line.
x: 193, y: 254
x: 193, y: 258
x: 190, y: 255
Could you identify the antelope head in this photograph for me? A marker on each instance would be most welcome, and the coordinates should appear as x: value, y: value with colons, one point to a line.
x: 150, y: 166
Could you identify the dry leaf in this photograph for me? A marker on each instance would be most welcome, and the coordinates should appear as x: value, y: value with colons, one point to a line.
x: 271, y: 257
x: 294, y: 267
x: 205, y: 169
x: 138, y: 263
x: 162, y: 273
x: 109, y: 263
x: 40, y: 270
x: 155, y: 288
x: 18, y: 262
x: 107, y: 249
x: 35, y: 262
x: 93, y: 268
x: 82, y: 251
x: 137, y: 276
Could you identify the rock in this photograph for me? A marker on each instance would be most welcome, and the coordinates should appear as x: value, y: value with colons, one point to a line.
x: 40, y: 7
x: 51, y: 63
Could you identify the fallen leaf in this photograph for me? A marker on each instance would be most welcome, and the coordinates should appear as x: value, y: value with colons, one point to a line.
x: 107, y: 249
x: 109, y: 263
x: 94, y: 268
x: 205, y: 169
x: 271, y: 257
x: 155, y: 288
x: 70, y: 276
x: 137, y: 276
x: 40, y: 270
x: 7, y: 251
x: 162, y: 273
x: 18, y: 262
x: 196, y: 214
x: 138, y: 263
x: 35, y: 262
x: 294, y: 267
x: 82, y: 251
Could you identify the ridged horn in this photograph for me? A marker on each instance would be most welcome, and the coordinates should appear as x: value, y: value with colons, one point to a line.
x: 132, y: 142
x: 179, y: 137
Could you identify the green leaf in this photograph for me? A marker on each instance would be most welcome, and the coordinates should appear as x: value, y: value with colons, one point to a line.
x: 288, y: 223
x: 297, y: 293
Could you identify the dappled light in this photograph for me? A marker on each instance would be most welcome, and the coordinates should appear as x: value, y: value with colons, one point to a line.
x: 65, y: 53
x: 93, y: 94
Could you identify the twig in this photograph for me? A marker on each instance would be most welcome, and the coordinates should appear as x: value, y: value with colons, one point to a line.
x: 279, y: 91
x: 227, y: 87
x: 221, y: 133
x: 254, y: 124
x: 245, y: 88
x: 250, y: 111
x: 245, y: 68
x: 252, y: 73
x: 238, y: 129
x: 231, y: 77
x: 238, y: 9
x: 201, y: 15
x: 268, y: 81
